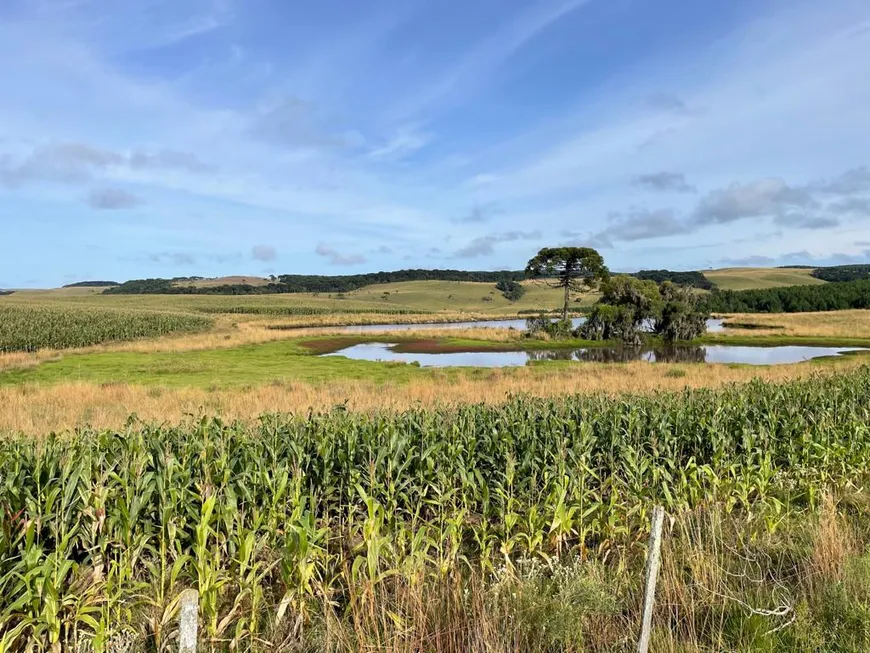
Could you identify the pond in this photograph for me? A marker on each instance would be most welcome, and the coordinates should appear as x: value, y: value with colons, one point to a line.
x: 379, y: 351
x: 713, y: 326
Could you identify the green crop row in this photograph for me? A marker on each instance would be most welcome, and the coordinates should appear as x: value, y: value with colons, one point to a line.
x: 29, y: 327
x: 103, y: 529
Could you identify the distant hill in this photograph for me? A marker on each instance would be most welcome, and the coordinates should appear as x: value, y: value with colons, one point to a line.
x: 92, y: 284
x: 3, y: 293
x: 224, y: 281
x: 694, y: 279
x: 760, y: 278
x: 300, y: 283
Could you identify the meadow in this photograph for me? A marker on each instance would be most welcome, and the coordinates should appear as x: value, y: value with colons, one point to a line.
x: 518, y: 526
x: 759, y: 278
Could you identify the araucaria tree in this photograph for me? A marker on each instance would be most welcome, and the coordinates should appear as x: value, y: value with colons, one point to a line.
x: 569, y: 268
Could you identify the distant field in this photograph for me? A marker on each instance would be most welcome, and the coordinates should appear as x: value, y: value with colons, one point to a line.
x: 462, y: 296
x: 401, y: 297
x: 414, y: 296
x: 225, y: 281
x: 211, y: 304
x: 753, y: 278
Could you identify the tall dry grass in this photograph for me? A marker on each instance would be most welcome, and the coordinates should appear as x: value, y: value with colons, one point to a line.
x: 832, y: 324
x: 726, y: 584
x: 37, y: 409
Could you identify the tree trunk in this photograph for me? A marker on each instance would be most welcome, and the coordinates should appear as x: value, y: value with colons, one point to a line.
x: 565, y: 307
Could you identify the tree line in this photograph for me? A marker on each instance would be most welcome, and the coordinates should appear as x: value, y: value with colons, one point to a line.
x: 792, y: 299
x: 694, y: 278
x: 91, y: 284
x: 313, y: 283
x: 841, y: 273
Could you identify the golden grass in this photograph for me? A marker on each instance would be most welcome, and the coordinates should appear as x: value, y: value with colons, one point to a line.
x: 753, y: 278
x: 225, y: 281
x: 833, y: 324
x: 37, y: 409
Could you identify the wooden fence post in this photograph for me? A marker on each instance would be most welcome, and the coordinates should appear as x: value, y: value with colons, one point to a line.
x: 653, y: 559
x: 188, y: 621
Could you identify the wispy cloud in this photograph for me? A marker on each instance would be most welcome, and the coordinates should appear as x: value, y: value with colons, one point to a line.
x: 337, y: 258
x: 485, y: 245
x: 264, y: 253
x: 404, y: 142
x: 664, y: 181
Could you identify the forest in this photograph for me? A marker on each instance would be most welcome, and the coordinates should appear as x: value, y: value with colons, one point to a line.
x: 792, y: 299
x: 840, y: 273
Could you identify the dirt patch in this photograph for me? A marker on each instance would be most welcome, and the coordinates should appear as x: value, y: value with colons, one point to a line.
x: 330, y: 345
x: 751, y: 326
x: 438, y: 347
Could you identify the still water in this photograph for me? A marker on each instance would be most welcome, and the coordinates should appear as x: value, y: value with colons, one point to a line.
x: 518, y: 324
x: 377, y: 351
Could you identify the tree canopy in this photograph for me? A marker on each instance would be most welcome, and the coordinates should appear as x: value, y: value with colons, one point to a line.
x: 569, y: 268
x: 630, y: 307
x: 792, y: 299
x: 626, y: 304
x: 839, y: 273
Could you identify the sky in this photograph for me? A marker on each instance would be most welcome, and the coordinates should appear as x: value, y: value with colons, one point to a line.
x: 164, y: 138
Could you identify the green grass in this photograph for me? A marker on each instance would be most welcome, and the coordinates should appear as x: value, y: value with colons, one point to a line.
x: 292, y: 360
x: 219, y: 368
x: 755, y: 278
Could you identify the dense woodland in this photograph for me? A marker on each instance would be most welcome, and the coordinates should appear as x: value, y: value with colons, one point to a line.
x: 793, y: 299
x: 841, y: 273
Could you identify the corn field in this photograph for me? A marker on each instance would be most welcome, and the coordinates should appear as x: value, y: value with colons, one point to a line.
x: 29, y: 327
x: 301, y: 523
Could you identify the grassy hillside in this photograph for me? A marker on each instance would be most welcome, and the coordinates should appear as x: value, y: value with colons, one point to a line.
x: 225, y: 281
x: 460, y: 296
x: 754, y: 278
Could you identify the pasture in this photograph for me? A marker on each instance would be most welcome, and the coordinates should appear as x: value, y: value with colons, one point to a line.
x: 754, y: 278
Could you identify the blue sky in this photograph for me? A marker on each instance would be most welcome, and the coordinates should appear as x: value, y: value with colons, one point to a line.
x: 143, y: 138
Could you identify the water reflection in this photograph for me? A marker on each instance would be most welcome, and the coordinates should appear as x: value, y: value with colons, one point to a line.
x: 713, y: 326
x: 682, y: 354
x: 378, y: 351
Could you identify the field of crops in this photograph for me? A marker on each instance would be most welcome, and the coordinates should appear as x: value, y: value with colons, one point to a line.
x: 31, y: 326
x: 448, y: 530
